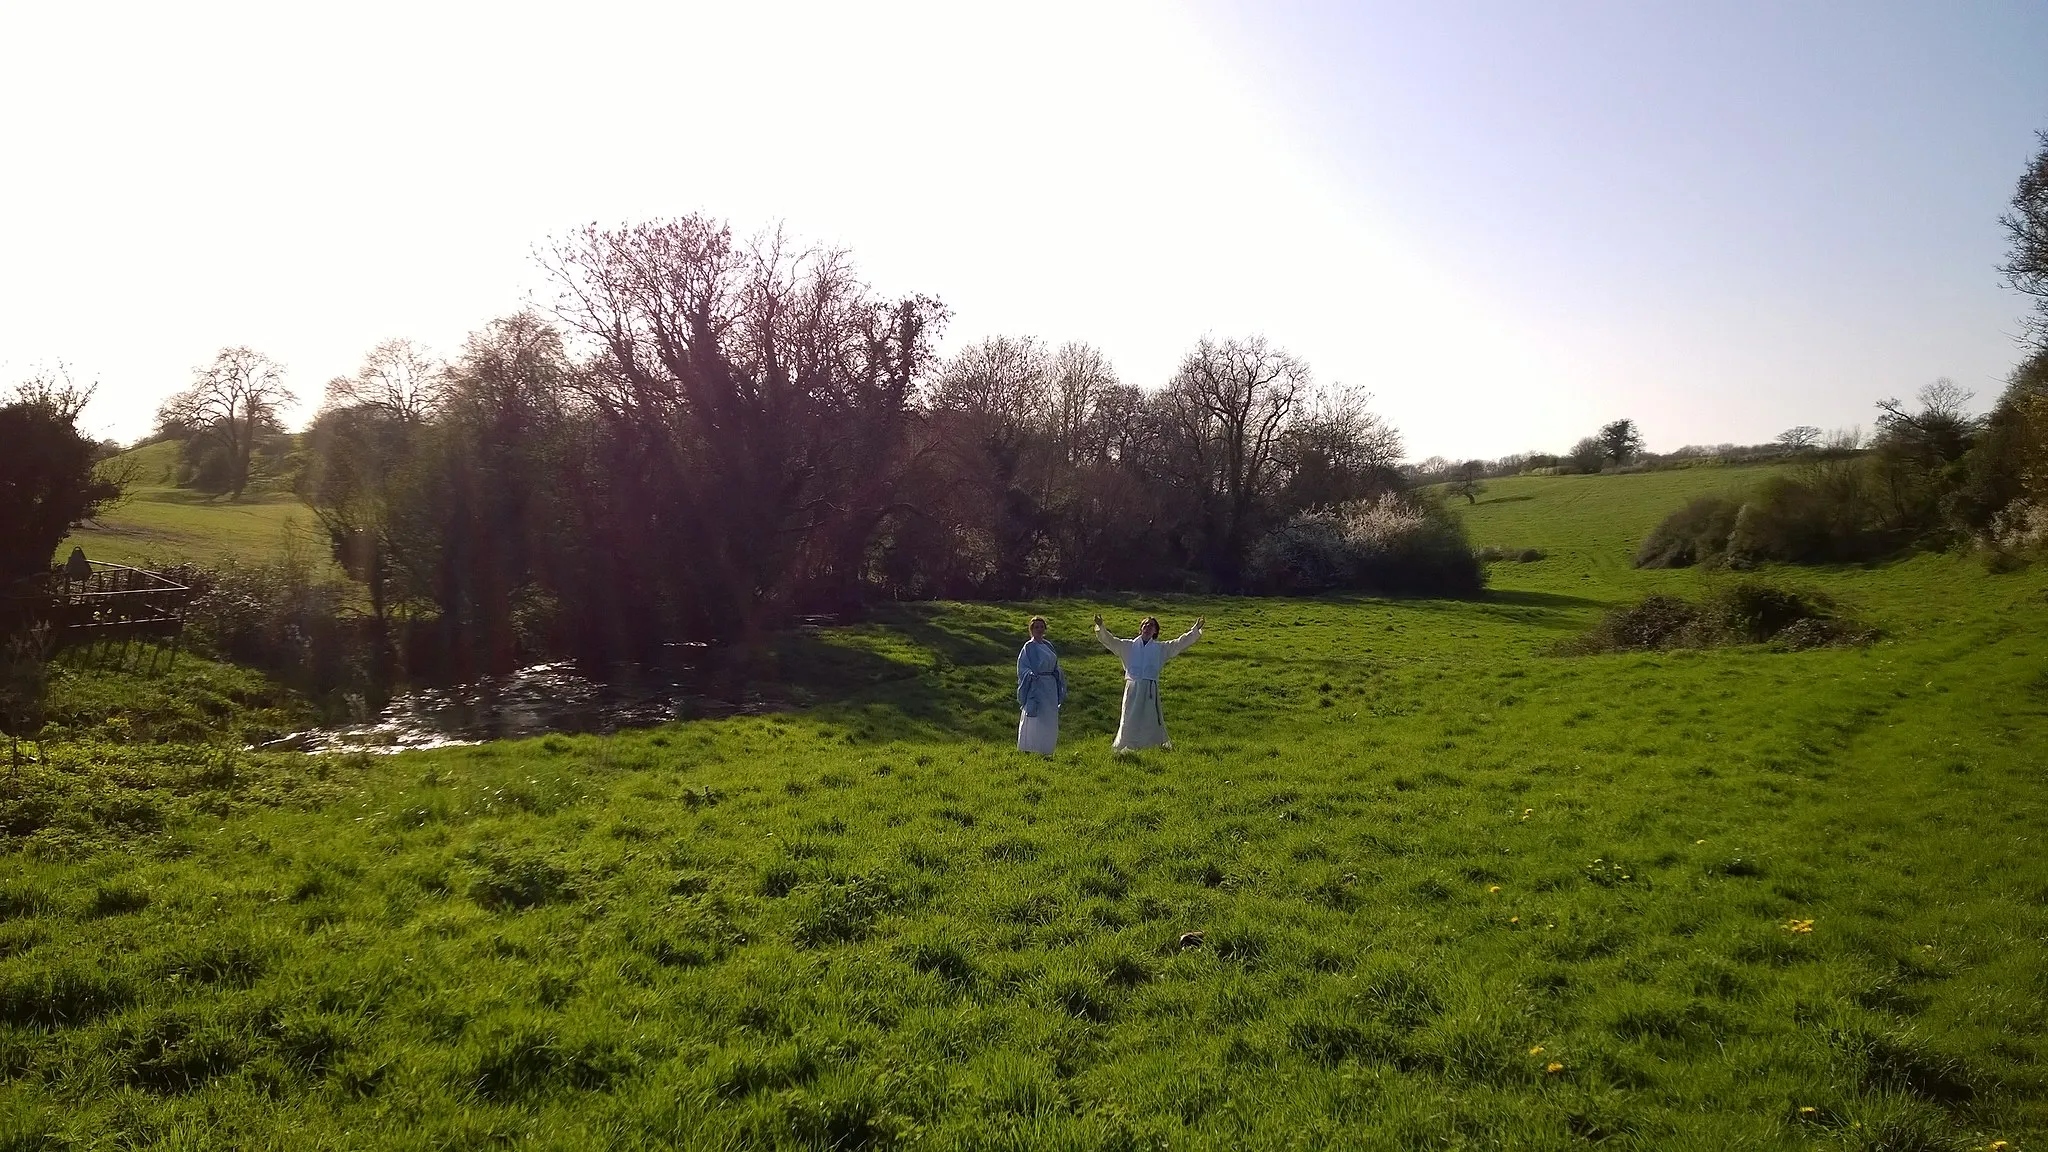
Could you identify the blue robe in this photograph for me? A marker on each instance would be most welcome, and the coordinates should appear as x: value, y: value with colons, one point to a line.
x: 1039, y: 677
x: 1041, y: 689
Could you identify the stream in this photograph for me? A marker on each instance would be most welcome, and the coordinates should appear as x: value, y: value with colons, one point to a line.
x: 532, y: 701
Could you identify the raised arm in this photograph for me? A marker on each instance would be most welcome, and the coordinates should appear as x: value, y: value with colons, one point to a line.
x: 1104, y: 637
x: 1180, y: 643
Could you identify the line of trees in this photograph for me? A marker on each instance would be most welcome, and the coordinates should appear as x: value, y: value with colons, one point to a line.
x: 709, y: 436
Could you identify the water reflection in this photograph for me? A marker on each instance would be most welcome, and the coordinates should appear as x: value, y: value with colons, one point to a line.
x: 533, y: 701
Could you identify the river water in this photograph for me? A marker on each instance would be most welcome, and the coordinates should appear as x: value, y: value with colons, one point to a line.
x: 533, y: 701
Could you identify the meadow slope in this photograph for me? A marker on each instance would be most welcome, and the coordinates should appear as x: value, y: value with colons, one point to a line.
x: 159, y: 523
x: 1454, y: 890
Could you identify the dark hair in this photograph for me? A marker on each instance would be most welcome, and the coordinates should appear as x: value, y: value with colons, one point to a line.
x: 1153, y: 621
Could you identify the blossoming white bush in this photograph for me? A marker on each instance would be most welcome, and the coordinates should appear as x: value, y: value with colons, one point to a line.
x: 1389, y: 543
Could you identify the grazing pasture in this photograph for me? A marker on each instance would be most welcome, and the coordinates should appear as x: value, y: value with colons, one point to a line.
x: 159, y: 523
x: 1410, y: 879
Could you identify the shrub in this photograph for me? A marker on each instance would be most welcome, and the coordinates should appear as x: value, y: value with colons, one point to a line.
x: 1747, y: 612
x: 280, y: 619
x: 1391, y: 544
x: 1828, y: 514
x: 2020, y: 529
x: 1695, y: 534
x: 1657, y: 622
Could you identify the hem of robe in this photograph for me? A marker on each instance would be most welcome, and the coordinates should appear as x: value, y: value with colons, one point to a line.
x: 1039, y: 734
x: 1142, y: 724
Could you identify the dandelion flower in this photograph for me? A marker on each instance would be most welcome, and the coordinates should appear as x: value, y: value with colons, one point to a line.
x: 1808, y: 1110
x: 1553, y: 1067
x: 1801, y: 926
x: 1514, y: 919
x: 1699, y: 841
x: 1536, y: 1051
x: 1493, y: 887
x: 1998, y: 1146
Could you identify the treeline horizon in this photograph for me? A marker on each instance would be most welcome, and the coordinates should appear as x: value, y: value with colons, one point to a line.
x: 704, y: 438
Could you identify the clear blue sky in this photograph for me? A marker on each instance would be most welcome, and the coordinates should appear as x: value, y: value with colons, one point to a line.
x: 1752, y: 215
x: 1510, y: 222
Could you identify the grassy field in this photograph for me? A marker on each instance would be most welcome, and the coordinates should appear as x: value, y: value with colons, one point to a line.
x: 159, y: 522
x: 1454, y: 890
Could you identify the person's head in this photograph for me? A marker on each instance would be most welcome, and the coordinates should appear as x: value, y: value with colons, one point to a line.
x: 1038, y: 627
x: 1149, y: 630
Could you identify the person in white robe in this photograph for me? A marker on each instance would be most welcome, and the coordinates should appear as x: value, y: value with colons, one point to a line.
x: 1144, y: 724
x: 1041, y: 689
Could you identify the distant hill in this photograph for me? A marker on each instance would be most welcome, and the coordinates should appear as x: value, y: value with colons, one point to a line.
x: 159, y: 523
x: 1591, y: 525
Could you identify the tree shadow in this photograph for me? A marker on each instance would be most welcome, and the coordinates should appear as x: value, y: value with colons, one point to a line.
x: 1551, y: 610
x: 991, y: 637
x: 1505, y: 499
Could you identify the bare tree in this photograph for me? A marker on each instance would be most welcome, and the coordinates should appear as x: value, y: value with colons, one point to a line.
x: 1939, y: 433
x: 1078, y: 378
x: 1338, y: 450
x: 995, y: 399
x: 1799, y: 438
x: 1467, y: 483
x: 399, y: 378
x: 230, y: 402
x: 1232, y: 403
x: 2026, y: 264
x: 753, y: 398
x: 1002, y: 378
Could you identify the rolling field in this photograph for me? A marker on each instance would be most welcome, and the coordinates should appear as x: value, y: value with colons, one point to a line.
x: 1452, y: 890
x: 161, y: 523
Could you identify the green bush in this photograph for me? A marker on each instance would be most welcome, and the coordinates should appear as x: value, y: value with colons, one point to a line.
x: 1695, y: 534
x: 1828, y: 515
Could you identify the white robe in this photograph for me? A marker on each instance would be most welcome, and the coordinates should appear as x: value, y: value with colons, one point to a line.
x: 1143, y: 724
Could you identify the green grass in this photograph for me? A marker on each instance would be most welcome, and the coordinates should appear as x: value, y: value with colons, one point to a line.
x: 1419, y: 846
x: 1590, y: 526
x: 159, y: 523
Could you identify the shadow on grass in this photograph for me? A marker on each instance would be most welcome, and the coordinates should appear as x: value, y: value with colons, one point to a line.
x: 1551, y: 610
x: 992, y: 636
x: 890, y: 690
x: 1506, y: 499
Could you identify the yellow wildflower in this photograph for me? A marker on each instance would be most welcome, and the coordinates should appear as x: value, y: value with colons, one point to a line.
x: 1808, y: 1110
x: 1514, y: 919
x: 1799, y: 925
x: 1536, y: 1051
x: 1553, y: 1067
x: 1493, y: 887
x: 1699, y: 841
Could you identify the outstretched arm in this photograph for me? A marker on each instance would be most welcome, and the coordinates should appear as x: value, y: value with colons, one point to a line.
x: 1104, y: 637
x: 1180, y: 643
